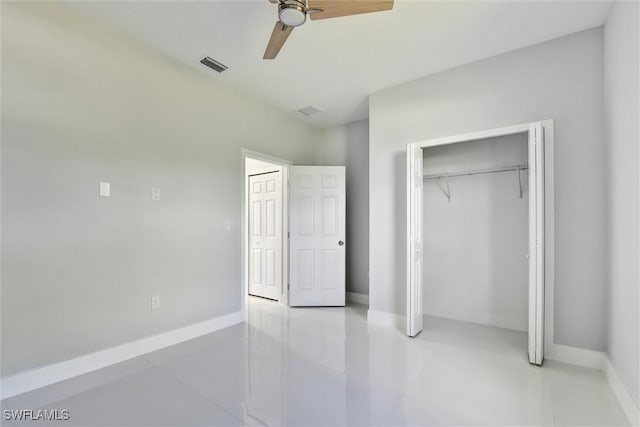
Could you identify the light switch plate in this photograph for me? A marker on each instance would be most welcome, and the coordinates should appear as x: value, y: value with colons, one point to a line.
x: 105, y: 189
x: 155, y: 302
x: 227, y: 226
x: 155, y: 193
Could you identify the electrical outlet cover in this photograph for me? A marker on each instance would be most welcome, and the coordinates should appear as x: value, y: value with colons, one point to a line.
x: 155, y: 193
x: 105, y: 189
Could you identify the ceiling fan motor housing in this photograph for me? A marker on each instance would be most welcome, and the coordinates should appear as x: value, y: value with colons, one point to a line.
x: 292, y: 13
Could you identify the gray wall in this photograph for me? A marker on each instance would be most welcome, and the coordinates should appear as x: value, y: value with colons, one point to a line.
x: 475, y: 246
x: 622, y: 136
x: 81, y: 104
x: 348, y: 146
x: 561, y: 79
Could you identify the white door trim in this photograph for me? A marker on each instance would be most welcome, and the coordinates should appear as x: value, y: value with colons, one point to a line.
x: 545, y: 287
x: 244, y: 249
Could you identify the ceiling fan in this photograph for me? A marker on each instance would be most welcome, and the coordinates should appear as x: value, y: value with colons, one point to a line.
x: 293, y: 13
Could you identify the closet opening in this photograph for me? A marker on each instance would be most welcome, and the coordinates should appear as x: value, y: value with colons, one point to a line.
x: 476, y: 232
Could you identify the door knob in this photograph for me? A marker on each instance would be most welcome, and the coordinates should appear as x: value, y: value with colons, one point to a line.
x: 340, y: 243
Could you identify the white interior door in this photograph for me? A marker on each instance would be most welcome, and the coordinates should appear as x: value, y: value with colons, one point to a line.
x: 536, y: 243
x: 265, y: 235
x: 317, y: 236
x: 414, y: 240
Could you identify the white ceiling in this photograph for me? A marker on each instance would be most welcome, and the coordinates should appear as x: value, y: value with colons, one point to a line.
x: 336, y: 64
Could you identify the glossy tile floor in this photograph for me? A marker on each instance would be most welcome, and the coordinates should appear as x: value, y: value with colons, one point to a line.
x: 326, y: 366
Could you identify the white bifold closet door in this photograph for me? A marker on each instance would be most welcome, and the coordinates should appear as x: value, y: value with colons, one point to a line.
x: 536, y: 243
x: 265, y: 235
x: 536, y: 133
x: 317, y: 236
x: 415, y: 310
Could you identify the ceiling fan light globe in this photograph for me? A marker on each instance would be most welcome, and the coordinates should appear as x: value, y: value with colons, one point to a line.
x: 292, y: 16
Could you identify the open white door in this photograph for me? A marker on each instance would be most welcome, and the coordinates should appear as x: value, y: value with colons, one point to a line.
x: 536, y: 243
x: 317, y: 236
x: 265, y: 235
x: 414, y: 240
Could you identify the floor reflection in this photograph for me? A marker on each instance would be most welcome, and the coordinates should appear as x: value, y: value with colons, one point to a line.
x: 327, y: 366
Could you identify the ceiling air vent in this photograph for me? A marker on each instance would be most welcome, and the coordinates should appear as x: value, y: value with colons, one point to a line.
x: 308, y: 110
x: 212, y: 63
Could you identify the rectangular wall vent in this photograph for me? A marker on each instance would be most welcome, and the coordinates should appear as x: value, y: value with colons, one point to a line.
x: 213, y: 64
x: 308, y: 110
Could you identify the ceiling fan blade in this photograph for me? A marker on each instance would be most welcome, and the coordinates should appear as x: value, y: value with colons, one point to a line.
x: 278, y: 37
x: 336, y: 8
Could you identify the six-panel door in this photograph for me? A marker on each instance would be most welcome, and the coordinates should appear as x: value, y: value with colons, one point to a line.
x: 265, y: 235
x: 317, y: 243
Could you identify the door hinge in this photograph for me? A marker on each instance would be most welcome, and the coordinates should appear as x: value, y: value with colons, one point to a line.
x: 288, y: 285
x: 288, y: 235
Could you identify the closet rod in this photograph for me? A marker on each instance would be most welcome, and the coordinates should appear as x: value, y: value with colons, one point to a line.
x: 476, y: 172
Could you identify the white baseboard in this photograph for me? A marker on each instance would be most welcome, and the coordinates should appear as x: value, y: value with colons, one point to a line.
x: 382, y: 318
x: 629, y: 405
x: 30, y: 380
x: 558, y: 352
x: 597, y: 360
x: 357, y: 298
x: 495, y: 321
x: 575, y: 356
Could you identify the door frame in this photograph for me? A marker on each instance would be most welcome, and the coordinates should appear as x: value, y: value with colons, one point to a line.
x: 542, y: 292
x: 244, y: 229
